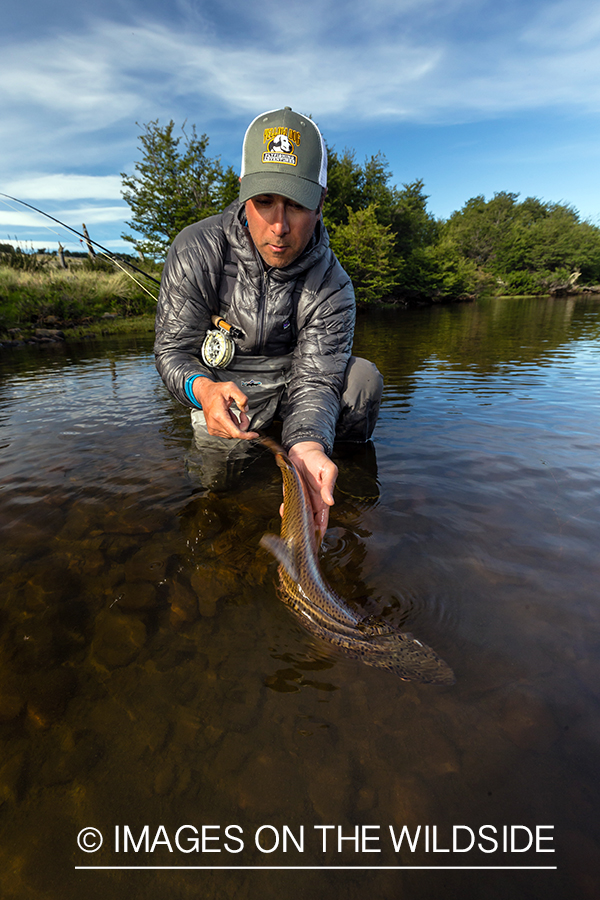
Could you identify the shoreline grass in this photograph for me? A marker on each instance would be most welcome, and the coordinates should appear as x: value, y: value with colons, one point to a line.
x: 69, y: 298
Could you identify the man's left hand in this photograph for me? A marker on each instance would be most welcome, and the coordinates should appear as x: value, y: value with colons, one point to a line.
x: 319, y: 474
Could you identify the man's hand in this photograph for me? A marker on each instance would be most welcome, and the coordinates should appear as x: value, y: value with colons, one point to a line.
x: 216, y: 399
x: 319, y: 474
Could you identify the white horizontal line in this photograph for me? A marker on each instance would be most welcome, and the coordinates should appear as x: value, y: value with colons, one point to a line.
x: 319, y: 868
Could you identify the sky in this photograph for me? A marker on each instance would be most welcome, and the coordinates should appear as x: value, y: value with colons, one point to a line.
x: 471, y: 96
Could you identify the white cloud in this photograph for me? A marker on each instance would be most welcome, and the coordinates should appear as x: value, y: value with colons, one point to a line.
x: 94, y: 80
x: 94, y: 215
x: 70, y: 100
x: 65, y: 187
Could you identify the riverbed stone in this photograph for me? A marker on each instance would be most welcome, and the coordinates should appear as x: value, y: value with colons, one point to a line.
x: 12, y: 699
x: 148, y: 564
x: 133, y: 520
x: 165, y: 778
x: 211, y: 586
x: 81, y: 523
x: 329, y: 787
x: 183, y: 602
x: 48, y: 695
x: 267, y: 786
x: 135, y: 595
x: 76, y: 753
x: 200, y: 521
x: 47, y: 584
x: 12, y: 775
x: 527, y: 721
x: 118, y: 639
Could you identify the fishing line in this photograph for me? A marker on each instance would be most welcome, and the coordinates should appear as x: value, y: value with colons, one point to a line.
x: 114, y: 260
x: 108, y: 253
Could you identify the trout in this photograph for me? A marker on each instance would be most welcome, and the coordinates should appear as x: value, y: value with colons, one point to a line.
x: 321, y: 610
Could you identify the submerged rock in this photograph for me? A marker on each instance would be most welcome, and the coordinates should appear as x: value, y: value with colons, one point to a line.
x: 135, y: 595
x: 117, y: 639
x: 49, y: 694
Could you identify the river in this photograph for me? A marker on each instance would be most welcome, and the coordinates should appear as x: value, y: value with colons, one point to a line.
x: 154, y: 688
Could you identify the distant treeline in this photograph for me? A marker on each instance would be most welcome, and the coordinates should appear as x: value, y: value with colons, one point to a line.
x: 393, y: 248
x: 391, y: 245
x: 388, y: 242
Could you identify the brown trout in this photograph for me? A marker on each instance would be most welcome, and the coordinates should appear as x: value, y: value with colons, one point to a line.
x: 318, y: 607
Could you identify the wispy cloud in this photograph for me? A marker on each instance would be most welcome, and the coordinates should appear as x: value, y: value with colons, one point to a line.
x: 65, y: 187
x: 384, y: 61
x: 70, y: 99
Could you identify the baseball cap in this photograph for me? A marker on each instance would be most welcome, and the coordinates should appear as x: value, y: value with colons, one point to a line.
x: 284, y: 153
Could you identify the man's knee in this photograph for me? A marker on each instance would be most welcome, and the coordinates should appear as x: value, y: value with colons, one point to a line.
x: 361, y: 399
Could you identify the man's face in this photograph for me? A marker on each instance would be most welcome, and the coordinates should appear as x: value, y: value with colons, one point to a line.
x: 280, y: 228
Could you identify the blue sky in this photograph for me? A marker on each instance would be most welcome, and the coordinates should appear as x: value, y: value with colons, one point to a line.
x: 472, y: 96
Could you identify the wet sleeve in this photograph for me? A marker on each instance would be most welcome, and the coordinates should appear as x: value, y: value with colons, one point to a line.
x: 325, y: 335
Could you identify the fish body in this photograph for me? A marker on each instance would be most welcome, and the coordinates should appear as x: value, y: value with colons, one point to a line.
x: 321, y: 610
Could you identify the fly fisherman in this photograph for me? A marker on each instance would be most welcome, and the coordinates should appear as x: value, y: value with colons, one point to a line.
x: 255, y: 317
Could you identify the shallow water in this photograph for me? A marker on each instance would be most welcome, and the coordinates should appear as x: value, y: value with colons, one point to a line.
x: 149, y: 676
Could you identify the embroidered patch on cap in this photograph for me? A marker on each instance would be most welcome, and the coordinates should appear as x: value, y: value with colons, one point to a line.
x: 281, y: 146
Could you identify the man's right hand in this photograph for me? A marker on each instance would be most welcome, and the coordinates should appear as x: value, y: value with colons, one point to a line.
x: 216, y: 399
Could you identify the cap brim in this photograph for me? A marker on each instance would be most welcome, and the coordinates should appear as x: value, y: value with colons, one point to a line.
x: 301, y: 191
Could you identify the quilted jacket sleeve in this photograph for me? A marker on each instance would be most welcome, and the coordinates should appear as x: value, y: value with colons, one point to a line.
x: 325, y: 322
x: 188, y: 297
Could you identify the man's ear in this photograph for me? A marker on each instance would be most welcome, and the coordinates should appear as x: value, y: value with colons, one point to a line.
x: 323, y: 195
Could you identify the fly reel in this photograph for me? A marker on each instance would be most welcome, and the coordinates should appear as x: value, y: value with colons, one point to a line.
x: 218, y: 347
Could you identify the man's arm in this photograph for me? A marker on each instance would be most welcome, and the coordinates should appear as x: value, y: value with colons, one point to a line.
x: 325, y: 322
x: 325, y: 332
x: 188, y: 297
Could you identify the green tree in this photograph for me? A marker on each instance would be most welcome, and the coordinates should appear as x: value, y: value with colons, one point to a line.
x: 365, y: 249
x: 413, y: 226
x: 173, y: 186
x: 528, y: 247
x: 345, y: 180
x: 351, y: 187
x: 481, y: 227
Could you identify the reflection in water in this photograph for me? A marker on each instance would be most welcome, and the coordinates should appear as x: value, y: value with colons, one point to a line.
x: 149, y: 676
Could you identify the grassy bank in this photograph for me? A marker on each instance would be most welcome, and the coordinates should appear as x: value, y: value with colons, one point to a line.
x: 71, y: 298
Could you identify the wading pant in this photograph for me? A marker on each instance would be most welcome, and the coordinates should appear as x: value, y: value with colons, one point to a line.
x: 264, y: 381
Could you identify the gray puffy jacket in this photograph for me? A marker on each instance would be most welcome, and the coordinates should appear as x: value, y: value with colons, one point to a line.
x: 307, y: 309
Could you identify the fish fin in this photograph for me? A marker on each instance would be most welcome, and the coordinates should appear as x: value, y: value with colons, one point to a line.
x: 282, y: 552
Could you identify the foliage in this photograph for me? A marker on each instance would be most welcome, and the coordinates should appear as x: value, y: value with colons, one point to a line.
x: 528, y: 247
x: 17, y: 258
x: 345, y: 187
x: 385, y: 236
x: 364, y: 247
x: 173, y: 187
x: 414, y: 262
x: 28, y: 297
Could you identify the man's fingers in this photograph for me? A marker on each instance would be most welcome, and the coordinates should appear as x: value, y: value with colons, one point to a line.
x: 217, y: 399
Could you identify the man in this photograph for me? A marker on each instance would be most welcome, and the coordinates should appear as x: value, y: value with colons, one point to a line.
x: 264, y: 265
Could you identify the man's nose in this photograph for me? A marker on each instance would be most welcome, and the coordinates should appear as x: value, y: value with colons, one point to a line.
x: 279, y: 222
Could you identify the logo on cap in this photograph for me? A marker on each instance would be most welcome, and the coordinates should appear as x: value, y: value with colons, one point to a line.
x: 281, y: 145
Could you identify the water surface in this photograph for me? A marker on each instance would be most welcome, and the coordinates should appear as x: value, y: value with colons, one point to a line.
x: 149, y: 676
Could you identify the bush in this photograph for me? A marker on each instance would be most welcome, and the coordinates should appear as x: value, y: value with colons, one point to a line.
x: 365, y: 249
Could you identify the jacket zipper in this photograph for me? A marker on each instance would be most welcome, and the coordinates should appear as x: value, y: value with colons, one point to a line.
x: 263, y: 312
